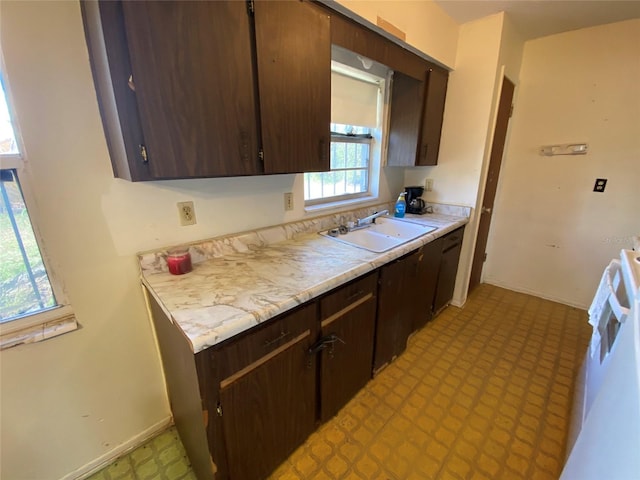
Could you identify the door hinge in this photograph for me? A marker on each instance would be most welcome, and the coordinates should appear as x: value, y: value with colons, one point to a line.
x: 219, y: 409
x: 250, y: 7
x: 484, y: 257
x: 511, y: 111
x: 143, y: 153
x: 261, y: 155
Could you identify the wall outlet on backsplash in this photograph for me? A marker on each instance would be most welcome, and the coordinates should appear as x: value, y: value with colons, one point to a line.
x: 187, y: 213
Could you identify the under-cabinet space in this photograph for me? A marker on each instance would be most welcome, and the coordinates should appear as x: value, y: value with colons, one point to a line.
x: 347, y: 325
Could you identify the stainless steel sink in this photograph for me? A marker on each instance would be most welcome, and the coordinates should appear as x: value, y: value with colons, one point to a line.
x: 383, y: 235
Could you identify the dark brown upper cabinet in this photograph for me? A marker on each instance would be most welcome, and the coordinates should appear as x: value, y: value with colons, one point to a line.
x: 194, y: 85
x: 432, y: 116
x: 293, y: 43
x: 404, y: 120
x: 415, y: 119
x: 223, y: 88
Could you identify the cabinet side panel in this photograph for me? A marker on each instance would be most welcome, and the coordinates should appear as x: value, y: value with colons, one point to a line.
x: 110, y: 67
x: 184, y: 396
x: 293, y: 44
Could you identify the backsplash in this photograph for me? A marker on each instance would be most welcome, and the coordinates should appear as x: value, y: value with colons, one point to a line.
x: 202, y: 250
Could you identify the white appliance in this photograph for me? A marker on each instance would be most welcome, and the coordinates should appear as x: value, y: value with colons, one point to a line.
x: 605, y: 442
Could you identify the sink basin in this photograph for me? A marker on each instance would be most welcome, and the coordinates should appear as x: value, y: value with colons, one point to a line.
x: 383, y: 235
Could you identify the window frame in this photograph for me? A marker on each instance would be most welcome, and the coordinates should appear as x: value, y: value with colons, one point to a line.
x: 59, y: 319
x: 378, y: 142
x: 340, y: 138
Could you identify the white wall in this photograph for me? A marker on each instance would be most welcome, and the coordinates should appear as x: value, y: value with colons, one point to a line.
x: 74, y: 400
x: 551, y: 235
x: 486, y: 48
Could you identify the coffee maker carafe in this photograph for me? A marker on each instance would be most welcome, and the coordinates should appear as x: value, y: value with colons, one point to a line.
x: 415, y: 204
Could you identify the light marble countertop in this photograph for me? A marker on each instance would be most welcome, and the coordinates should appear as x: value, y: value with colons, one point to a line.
x: 239, y: 281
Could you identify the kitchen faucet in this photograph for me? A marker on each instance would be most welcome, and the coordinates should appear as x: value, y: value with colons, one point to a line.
x: 362, y: 222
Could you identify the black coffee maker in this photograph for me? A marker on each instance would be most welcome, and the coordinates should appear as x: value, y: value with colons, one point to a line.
x: 415, y: 204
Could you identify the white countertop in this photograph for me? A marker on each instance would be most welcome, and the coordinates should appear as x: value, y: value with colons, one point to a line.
x: 249, y: 279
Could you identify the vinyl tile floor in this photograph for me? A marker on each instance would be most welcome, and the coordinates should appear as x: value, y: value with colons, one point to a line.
x: 482, y: 392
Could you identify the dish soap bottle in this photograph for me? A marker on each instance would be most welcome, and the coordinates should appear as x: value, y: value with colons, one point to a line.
x: 401, y: 206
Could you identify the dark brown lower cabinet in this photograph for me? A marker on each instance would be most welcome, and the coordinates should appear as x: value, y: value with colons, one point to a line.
x: 394, y: 322
x: 245, y: 404
x: 451, y: 248
x: 423, y: 287
x: 266, y: 397
x: 347, y: 326
x: 268, y: 410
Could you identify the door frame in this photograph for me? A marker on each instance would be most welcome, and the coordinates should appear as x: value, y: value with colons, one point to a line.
x: 504, y: 110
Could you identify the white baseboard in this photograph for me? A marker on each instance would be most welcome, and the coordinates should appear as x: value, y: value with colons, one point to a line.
x: 120, y: 450
x: 518, y: 289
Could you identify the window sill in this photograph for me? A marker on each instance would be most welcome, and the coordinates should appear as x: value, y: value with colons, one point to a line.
x: 320, y: 207
x: 38, y: 327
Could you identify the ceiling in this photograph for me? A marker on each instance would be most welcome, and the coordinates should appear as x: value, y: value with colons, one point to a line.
x: 539, y: 18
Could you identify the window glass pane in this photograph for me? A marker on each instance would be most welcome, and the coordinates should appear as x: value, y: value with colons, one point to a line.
x: 8, y: 145
x: 24, y: 282
x: 338, y: 154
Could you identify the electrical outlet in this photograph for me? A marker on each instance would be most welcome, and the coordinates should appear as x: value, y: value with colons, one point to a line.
x: 428, y: 185
x: 187, y: 213
x: 600, y: 184
x: 288, y: 201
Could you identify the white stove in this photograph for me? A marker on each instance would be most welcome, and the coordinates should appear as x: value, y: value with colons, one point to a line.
x: 606, y: 439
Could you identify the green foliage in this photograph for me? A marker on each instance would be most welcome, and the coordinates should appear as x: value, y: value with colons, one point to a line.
x: 18, y: 296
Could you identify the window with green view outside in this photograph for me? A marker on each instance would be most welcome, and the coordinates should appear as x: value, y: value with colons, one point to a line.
x: 24, y: 284
x: 350, y: 165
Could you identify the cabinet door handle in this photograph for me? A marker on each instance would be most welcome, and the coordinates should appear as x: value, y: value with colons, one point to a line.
x: 425, y: 148
x: 244, y: 146
x: 324, y: 342
x: 282, y: 335
x: 322, y: 150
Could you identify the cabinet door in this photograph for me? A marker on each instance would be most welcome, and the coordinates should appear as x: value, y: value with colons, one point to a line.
x: 269, y: 406
x: 435, y: 93
x: 293, y: 48
x: 404, y: 120
x: 350, y: 315
x: 452, y: 246
x: 424, y: 288
x: 394, y: 322
x: 195, y: 87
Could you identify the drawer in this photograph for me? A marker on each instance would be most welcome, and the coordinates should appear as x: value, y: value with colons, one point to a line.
x: 357, y: 291
x: 262, y: 341
x: 452, y: 239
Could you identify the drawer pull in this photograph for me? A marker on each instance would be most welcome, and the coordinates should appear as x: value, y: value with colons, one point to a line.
x: 282, y: 335
x: 355, y: 295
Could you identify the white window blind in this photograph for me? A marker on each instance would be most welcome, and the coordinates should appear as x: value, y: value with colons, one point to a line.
x: 353, y: 101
